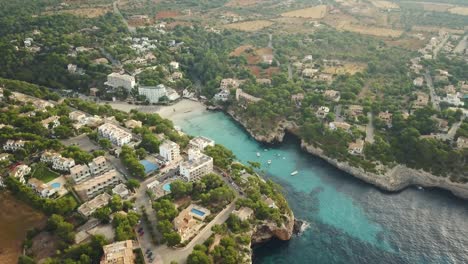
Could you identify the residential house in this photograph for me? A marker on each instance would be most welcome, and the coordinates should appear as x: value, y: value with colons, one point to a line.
x: 14, y: 145
x: 115, y: 134
x: 354, y: 111
x: 121, y: 190
x: 77, y: 116
x: 244, y: 213
x: 187, y: 223
x: 332, y: 95
x: 42, y: 189
x: 170, y: 151
x: 322, y: 112
x: 4, y: 156
x: 19, y: 171
x: 51, y: 122
x: 177, y: 75
x: 309, y: 73
x: 222, y: 95
x: 229, y: 83
x: 339, y: 125
x: 386, y: 117
x: 462, y: 142
x: 89, y: 207
x: 453, y: 99
x: 131, y: 124
x: 82, y: 172
x: 119, y: 253
x: 356, y: 148
x: 63, y: 164
x: 174, y: 65
x: 421, y: 101
x: 418, y: 82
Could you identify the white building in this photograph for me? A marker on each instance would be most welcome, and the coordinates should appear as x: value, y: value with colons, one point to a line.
x: 172, y: 94
x: 77, y: 116
x: 197, y: 165
x: 42, y: 189
x: 115, y: 134
x: 63, y: 164
x: 133, y: 124
x: 119, y: 253
x: 54, y: 120
x: 121, y: 190
x: 120, y: 80
x: 418, y: 82
x: 82, y: 172
x: 91, y: 206
x: 323, y: 111
x: 169, y: 150
x: 20, y: 171
x: 90, y: 188
x: 453, y: 99
x: 174, y: 65
x: 356, y: 148
x: 201, y: 143
x: 49, y: 157
x: 153, y: 93
x: 222, y: 95
x: 14, y: 145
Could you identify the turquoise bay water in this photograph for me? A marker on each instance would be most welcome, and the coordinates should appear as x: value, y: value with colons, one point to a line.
x: 350, y: 221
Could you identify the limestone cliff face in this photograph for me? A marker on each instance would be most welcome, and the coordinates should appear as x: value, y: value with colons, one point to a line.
x: 395, y: 179
x: 267, y: 230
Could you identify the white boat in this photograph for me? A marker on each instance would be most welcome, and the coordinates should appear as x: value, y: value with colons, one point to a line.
x: 284, y: 157
x: 258, y: 154
x: 420, y: 188
x: 269, y: 161
x: 294, y: 173
x: 265, y: 150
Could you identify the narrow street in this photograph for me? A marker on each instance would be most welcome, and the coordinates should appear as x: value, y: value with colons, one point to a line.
x: 370, y: 129
x: 434, y: 97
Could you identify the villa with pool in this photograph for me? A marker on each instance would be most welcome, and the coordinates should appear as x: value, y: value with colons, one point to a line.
x: 190, y: 221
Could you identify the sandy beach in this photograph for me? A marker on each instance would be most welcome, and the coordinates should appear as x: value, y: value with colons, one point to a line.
x: 175, y: 112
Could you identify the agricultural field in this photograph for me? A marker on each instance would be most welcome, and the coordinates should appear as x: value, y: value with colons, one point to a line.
x: 237, y: 3
x: 370, y: 30
x: 167, y: 14
x: 254, y: 25
x: 316, y: 12
x: 384, y: 4
x: 83, y: 12
x: 459, y: 10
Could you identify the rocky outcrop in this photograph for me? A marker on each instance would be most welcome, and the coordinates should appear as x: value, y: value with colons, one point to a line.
x: 275, y: 136
x: 267, y: 230
x: 396, y: 178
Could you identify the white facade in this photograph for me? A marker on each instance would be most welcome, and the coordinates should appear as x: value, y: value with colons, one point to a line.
x: 174, y: 65
x: 115, y: 134
x: 169, y: 150
x: 201, y: 142
x: 42, y: 189
x: 82, y: 172
x: 196, y: 166
x: 14, y: 145
x: 20, y: 171
x: 90, y: 188
x: 54, y: 120
x: 222, y: 95
x: 453, y: 99
x: 153, y: 93
x: 63, y: 164
x: 120, y: 80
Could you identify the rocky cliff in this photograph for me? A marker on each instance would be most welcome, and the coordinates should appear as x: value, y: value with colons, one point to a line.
x: 394, y: 179
x: 267, y: 230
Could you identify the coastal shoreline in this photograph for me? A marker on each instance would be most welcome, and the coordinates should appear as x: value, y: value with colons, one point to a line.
x: 396, y: 179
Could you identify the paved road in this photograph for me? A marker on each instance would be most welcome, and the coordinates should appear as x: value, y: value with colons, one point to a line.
x: 270, y: 42
x: 461, y: 45
x: 434, y: 97
x: 440, y: 46
x: 453, y: 130
x: 117, y: 11
x: 338, y: 116
x: 370, y: 129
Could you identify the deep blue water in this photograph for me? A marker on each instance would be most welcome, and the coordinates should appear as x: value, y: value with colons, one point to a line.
x: 350, y: 221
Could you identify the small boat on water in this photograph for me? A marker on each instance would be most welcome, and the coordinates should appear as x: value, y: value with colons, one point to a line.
x: 258, y: 154
x: 294, y: 173
x: 269, y: 161
x: 420, y: 188
x: 284, y: 157
x: 265, y: 150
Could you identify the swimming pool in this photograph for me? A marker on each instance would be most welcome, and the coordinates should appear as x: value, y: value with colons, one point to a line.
x: 55, y: 185
x: 197, y: 212
x: 149, y: 166
x: 167, y: 187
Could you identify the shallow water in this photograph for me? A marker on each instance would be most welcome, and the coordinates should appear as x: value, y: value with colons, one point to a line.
x: 351, y: 221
